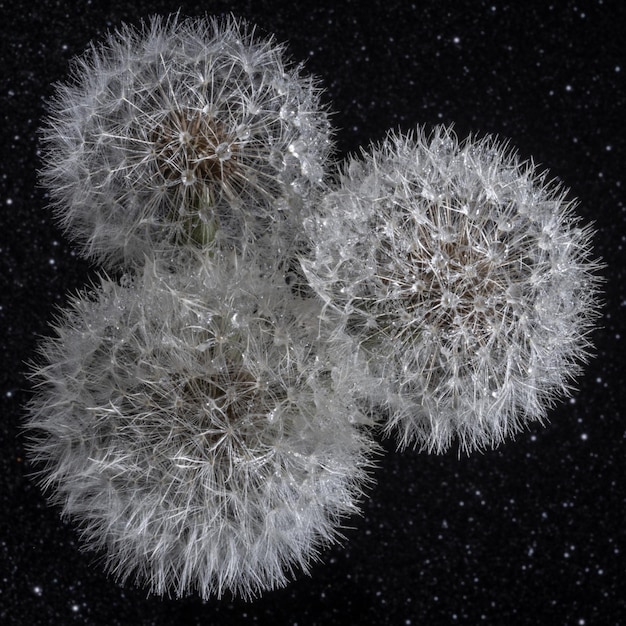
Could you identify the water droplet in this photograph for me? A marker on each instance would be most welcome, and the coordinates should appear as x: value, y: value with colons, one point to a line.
x: 475, y: 210
x: 505, y: 224
x: 209, y: 109
x: 297, y: 148
x: 223, y: 152
x: 280, y: 85
x: 515, y: 294
x: 355, y: 170
x: 312, y: 170
x: 243, y: 132
x: 545, y: 241
x: 468, y: 272
x: 188, y: 177
x: 276, y: 159
x: 446, y: 234
x: 438, y: 262
x: 480, y: 304
x: 419, y: 286
x: 444, y: 146
x: 428, y: 194
x: 449, y: 300
x: 272, y: 416
x: 287, y: 112
x: 496, y: 251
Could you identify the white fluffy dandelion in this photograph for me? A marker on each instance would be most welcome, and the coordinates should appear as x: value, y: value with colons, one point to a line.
x: 183, y: 131
x: 466, y: 281
x: 186, y: 422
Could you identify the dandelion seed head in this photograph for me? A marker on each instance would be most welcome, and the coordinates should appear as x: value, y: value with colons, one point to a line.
x: 185, y: 421
x: 466, y: 279
x: 177, y: 133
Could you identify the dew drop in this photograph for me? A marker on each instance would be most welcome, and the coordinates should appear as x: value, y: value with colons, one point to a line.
x: 438, y: 262
x: 419, y: 286
x: 297, y: 148
x: 472, y: 210
x: 480, y: 304
x: 496, y: 251
x: 188, y: 177
x: 355, y: 170
x: 243, y: 132
x: 287, y: 112
x: 427, y: 194
x: 446, y: 234
x: 223, y: 152
x: 209, y: 109
x: 449, y: 300
x: 515, y: 295
x: 505, y: 224
x: 276, y: 160
x: 545, y: 241
x: 280, y: 86
x: 312, y: 170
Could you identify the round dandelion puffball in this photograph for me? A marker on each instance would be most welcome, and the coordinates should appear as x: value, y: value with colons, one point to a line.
x: 186, y: 423
x: 183, y: 131
x: 465, y: 279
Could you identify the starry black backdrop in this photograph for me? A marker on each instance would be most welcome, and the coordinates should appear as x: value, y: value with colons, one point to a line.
x: 531, y: 533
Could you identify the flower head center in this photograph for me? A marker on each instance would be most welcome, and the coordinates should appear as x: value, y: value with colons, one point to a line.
x: 193, y: 148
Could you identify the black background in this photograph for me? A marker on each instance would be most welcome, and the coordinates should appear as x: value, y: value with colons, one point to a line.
x: 531, y: 533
